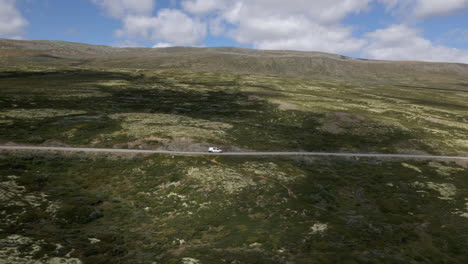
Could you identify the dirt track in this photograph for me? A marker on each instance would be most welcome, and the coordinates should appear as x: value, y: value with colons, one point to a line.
x: 184, y: 153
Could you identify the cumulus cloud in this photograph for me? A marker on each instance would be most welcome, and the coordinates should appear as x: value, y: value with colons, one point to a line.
x: 430, y: 8
x: 317, y: 26
x: 12, y: 23
x: 296, y: 33
x: 279, y: 24
x: 400, y: 42
x: 293, y: 24
x: 122, y: 8
x: 162, y: 45
x: 202, y: 6
x: 424, y: 9
x: 170, y: 26
x: 324, y: 11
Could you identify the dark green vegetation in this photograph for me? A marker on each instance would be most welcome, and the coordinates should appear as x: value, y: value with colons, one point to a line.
x: 192, y: 210
x: 232, y: 210
x: 224, y: 101
x: 185, y: 110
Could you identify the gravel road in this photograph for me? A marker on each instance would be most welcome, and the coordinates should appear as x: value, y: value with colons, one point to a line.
x: 185, y: 153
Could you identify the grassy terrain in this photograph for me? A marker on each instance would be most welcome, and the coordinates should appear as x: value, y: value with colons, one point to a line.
x: 283, y: 63
x: 185, y: 110
x: 162, y: 209
x: 231, y: 210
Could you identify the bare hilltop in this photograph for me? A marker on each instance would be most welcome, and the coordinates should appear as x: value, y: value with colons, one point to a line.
x: 281, y: 63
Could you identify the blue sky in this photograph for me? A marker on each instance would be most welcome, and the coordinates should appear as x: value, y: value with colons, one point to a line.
x: 430, y: 30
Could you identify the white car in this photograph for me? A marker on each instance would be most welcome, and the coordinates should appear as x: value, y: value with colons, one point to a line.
x: 214, y: 150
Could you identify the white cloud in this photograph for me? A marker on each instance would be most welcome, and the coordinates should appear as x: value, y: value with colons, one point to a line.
x: 324, y: 11
x: 279, y: 24
x: 293, y: 24
x: 430, y: 8
x: 170, y: 25
x: 400, y: 42
x: 12, y: 23
x: 137, y: 27
x: 424, y: 9
x: 122, y: 8
x: 167, y: 26
x: 390, y: 3
x: 162, y: 45
x: 202, y: 6
x: 296, y: 33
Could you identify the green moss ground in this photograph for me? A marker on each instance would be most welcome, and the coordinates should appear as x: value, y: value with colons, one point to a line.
x: 102, y: 108
x: 157, y: 209
x: 163, y: 209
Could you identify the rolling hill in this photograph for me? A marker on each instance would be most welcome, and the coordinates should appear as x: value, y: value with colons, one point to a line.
x: 312, y: 65
x: 97, y: 208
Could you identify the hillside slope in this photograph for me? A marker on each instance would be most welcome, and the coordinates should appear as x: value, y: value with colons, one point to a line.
x: 313, y: 65
x: 81, y: 208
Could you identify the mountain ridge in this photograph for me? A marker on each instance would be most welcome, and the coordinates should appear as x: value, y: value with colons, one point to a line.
x: 299, y: 64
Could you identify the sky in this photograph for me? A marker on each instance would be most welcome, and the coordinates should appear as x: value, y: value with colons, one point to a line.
x: 424, y: 30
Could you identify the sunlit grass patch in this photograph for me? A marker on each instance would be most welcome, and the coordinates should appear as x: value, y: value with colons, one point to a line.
x: 114, y: 83
x: 138, y: 125
x: 39, y: 113
x: 85, y: 94
x: 444, y: 169
x: 219, y: 178
x: 6, y: 122
x: 446, y: 190
x: 23, y: 250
